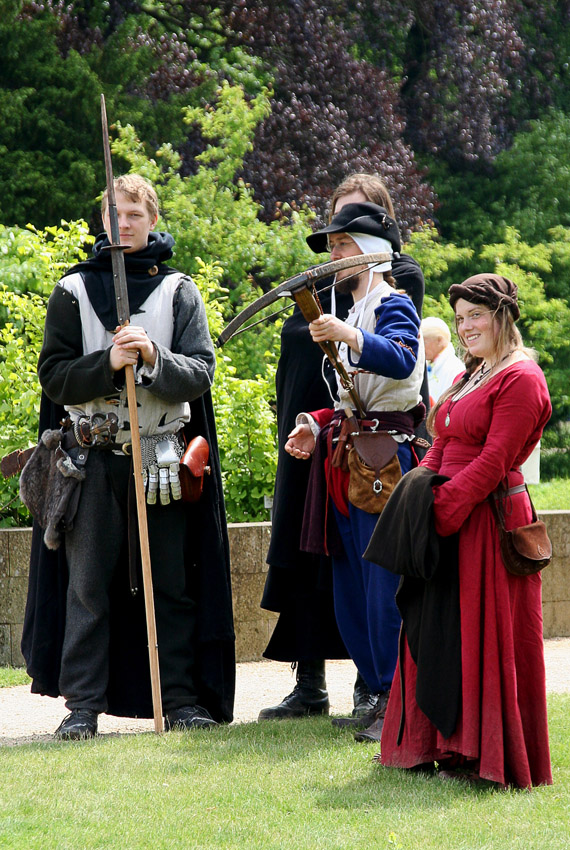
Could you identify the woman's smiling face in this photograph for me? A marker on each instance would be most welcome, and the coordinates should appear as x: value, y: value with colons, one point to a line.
x: 477, y: 328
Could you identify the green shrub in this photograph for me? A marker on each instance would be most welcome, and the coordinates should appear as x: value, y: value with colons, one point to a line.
x: 555, y: 452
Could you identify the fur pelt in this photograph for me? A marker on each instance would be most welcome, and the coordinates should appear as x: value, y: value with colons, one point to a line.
x: 50, y: 486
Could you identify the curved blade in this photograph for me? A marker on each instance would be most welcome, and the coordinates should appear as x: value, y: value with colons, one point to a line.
x: 297, y: 282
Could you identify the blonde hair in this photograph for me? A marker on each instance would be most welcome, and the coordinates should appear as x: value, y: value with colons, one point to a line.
x: 508, y: 338
x: 138, y: 190
x: 372, y: 187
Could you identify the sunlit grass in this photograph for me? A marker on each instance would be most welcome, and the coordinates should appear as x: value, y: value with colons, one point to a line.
x: 10, y: 676
x: 269, y: 786
x: 551, y: 495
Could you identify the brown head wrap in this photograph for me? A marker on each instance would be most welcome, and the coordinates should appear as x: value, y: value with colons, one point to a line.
x: 490, y: 289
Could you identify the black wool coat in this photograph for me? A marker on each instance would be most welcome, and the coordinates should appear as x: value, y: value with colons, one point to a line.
x: 405, y: 542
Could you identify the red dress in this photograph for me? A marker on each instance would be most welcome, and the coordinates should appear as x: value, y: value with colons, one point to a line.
x: 502, y: 724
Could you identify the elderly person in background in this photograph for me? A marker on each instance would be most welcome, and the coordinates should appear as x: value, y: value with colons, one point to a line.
x: 443, y: 363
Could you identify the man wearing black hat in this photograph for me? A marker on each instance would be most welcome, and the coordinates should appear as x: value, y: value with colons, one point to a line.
x: 379, y: 345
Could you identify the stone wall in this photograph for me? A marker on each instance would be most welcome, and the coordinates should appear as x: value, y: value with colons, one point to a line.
x: 556, y: 577
x: 14, y: 557
x: 248, y: 546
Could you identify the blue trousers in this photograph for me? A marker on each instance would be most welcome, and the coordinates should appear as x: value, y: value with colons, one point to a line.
x: 364, y: 597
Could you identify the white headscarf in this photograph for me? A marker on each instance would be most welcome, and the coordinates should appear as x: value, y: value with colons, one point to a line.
x: 368, y: 245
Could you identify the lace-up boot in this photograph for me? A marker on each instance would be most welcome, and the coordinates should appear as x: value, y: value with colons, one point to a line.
x: 79, y: 724
x: 309, y: 696
x: 374, y: 731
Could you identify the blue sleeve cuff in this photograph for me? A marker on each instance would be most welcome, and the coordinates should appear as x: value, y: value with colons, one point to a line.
x: 392, y: 349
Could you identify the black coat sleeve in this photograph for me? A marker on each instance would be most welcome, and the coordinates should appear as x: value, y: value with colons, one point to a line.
x: 66, y: 374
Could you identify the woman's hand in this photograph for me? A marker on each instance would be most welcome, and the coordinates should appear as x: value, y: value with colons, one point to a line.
x: 329, y: 328
x: 129, y: 342
x: 301, y: 442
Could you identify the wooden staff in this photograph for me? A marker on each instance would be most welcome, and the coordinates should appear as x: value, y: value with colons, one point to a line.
x: 123, y: 316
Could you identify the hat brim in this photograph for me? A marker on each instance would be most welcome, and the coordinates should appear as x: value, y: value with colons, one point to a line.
x: 358, y: 218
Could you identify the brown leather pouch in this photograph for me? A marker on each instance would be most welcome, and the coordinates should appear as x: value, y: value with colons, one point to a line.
x: 193, y: 467
x: 348, y: 428
x: 375, y: 448
x: 374, y: 470
x: 527, y: 549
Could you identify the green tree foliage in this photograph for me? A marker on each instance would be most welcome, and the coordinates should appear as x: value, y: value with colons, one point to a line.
x: 56, y: 61
x: 212, y: 214
x: 33, y: 260
x: 541, y: 80
x: 531, y: 181
x: 442, y: 263
x: 247, y: 429
x: 528, y: 188
x: 47, y: 161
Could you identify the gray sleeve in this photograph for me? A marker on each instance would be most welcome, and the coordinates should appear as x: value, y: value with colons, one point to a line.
x: 186, y: 370
x: 66, y: 374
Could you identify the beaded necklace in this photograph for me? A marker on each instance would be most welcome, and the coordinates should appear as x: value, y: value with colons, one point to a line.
x: 472, y: 384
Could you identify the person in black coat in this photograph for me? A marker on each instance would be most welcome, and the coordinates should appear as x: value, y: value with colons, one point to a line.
x: 299, y: 584
x: 84, y: 634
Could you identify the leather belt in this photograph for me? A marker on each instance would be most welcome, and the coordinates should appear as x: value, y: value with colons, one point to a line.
x: 512, y: 491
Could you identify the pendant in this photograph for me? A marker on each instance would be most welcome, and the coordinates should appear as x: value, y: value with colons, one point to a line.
x: 447, y: 421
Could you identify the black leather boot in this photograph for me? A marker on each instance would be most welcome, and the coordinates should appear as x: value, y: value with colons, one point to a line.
x: 364, y: 711
x: 364, y: 700
x: 309, y: 696
x: 374, y: 731
x: 80, y: 724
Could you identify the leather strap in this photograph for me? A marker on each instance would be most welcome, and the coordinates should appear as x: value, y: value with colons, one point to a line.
x: 499, y: 497
x: 13, y: 463
x: 502, y: 494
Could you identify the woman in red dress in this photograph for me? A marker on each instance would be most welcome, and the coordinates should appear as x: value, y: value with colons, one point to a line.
x: 485, y: 426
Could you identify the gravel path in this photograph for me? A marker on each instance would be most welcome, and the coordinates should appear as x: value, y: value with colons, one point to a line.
x: 26, y: 717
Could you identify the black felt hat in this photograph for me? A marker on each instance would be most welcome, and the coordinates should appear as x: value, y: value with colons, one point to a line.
x: 358, y: 218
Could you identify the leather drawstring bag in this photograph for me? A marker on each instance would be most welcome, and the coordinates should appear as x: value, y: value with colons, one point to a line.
x: 525, y: 550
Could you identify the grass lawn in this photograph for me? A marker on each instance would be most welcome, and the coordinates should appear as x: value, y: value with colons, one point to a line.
x: 551, y: 495
x: 292, y: 785
x: 10, y: 676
